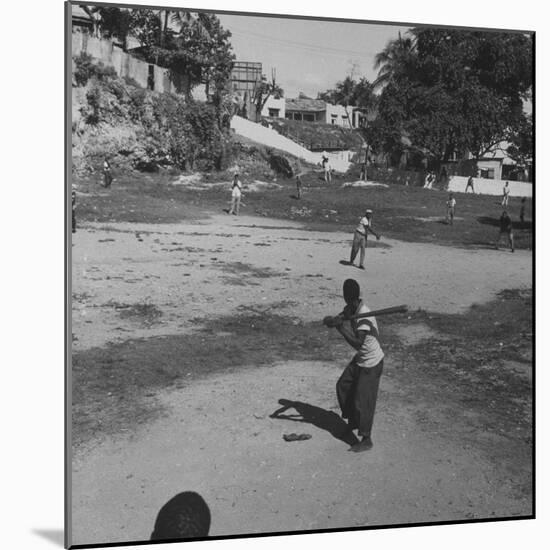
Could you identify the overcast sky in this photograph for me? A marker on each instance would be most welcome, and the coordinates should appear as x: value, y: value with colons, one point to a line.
x: 309, y: 56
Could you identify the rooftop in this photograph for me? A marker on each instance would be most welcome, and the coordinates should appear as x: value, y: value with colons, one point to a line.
x: 311, y: 105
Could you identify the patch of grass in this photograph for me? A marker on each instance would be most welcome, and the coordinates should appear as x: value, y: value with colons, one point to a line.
x: 111, y: 384
x: 248, y: 270
x: 474, y: 378
x: 399, y: 212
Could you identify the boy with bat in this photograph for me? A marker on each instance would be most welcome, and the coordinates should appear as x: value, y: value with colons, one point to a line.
x: 357, y: 387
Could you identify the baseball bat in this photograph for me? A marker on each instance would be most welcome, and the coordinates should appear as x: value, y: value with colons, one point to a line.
x: 385, y: 311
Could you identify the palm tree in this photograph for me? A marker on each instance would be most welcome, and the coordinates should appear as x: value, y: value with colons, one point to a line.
x: 185, y: 19
x: 394, y: 59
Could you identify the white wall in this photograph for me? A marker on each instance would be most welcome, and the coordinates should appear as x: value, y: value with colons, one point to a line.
x: 483, y: 186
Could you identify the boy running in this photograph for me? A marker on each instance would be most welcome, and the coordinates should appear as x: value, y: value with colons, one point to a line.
x: 357, y: 387
x: 360, y: 238
x: 470, y: 184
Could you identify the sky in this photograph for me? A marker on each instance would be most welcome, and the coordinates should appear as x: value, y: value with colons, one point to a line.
x: 308, y: 56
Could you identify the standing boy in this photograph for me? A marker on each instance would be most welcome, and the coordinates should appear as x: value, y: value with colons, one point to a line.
x: 326, y: 168
x: 235, y: 195
x: 107, y: 174
x: 522, y: 211
x: 470, y: 184
x: 360, y: 238
x: 451, y: 203
x: 298, y: 171
x: 505, y: 229
x: 73, y: 200
x: 505, y: 195
x: 357, y: 387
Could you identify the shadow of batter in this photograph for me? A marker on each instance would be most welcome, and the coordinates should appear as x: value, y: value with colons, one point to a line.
x: 321, y: 418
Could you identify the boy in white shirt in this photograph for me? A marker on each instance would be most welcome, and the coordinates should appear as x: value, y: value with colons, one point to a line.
x: 505, y: 195
x: 357, y: 387
x: 360, y: 238
x: 235, y: 195
x: 451, y: 203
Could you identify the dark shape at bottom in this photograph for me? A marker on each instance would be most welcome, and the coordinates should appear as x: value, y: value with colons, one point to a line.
x: 184, y: 516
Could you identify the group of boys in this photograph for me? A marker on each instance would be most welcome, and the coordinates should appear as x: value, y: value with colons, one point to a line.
x: 505, y: 221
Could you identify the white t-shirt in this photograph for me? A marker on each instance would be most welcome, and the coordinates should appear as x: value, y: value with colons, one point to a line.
x: 363, y: 222
x: 505, y: 190
x: 236, y: 190
x: 370, y: 353
x: 451, y: 203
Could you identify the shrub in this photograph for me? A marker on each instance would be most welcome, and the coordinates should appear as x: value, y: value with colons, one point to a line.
x: 93, y: 98
x: 86, y: 68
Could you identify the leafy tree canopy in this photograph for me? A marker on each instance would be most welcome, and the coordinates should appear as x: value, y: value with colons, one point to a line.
x: 452, y: 90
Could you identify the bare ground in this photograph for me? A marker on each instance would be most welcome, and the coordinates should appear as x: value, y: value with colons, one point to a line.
x: 432, y: 461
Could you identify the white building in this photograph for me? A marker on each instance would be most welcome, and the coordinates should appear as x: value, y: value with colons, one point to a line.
x: 274, y: 107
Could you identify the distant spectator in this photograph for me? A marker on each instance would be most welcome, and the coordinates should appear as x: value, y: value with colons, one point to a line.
x: 326, y: 168
x: 506, y: 228
x: 73, y: 200
x: 505, y: 194
x: 522, y: 210
x: 470, y: 184
x: 451, y: 204
x: 107, y: 174
x: 235, y: 195
x: 298, y: 173
x: 185, y: 516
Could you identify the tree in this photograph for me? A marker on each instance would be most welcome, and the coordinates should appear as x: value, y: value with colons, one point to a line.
x: 521, y: 141
x: 115, y: 23
x: 263, y: 91
x: 349, y: 92
x: 453, y: 91
x: 394, y: 60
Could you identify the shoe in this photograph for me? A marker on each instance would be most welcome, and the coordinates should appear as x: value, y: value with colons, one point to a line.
x: 364, y: 445
x: 362, y: 267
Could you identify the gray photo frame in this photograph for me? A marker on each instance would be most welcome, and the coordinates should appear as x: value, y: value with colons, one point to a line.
x: 203, y: 348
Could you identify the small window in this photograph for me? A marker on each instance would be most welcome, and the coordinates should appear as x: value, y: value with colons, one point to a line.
x: 274, y: 113
x: 309, y: 117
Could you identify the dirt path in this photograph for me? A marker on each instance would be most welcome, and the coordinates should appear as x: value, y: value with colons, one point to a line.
x: 218, y: 438
x: 190, y: 271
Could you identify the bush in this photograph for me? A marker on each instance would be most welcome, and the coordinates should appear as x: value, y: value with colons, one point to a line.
x: 93, y: 98
x: 86, y: 68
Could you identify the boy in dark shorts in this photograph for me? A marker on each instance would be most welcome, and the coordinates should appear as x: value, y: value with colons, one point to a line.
x: 359, y: 244
x: 505, y: 229
x: 357, y: 387
x: 522, y: 211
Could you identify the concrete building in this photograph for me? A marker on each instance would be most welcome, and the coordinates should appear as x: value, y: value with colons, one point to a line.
x: 317, y: 110
x: 274, y: 107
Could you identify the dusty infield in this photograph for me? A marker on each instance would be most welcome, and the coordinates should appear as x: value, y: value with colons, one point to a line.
x: 198, y: 330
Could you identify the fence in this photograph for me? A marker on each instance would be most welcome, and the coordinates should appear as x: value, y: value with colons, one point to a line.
x: 147, y: 75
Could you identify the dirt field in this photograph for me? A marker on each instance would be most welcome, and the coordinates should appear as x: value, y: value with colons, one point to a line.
x: 180, y: 289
